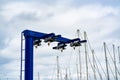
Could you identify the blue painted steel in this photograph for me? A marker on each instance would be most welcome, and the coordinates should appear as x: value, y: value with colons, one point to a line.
x: 67, y: 41
x: 30, y: 37
x: 28, y: 58
x: 37, y: 35
x: 60, y: 46
x: 83, y: 41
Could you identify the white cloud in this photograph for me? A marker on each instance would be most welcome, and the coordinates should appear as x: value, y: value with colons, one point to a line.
x: 98, y: 20
x: 17, y: 8
x: 12, y: 48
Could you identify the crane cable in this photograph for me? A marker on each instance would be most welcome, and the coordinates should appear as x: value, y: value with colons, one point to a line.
x: 68, y: 63
x: 53, y: 74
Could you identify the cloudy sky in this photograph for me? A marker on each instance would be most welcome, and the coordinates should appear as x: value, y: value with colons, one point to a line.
x: 99, y: 18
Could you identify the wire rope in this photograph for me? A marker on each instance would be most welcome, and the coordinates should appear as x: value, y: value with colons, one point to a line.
x: 98, y: 71
x: 112, y: 59
x: 95, y: 55
x: 111, y: 70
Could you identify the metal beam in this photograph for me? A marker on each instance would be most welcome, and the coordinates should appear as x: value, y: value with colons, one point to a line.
x: 32, y: 36
x: 28, y: 58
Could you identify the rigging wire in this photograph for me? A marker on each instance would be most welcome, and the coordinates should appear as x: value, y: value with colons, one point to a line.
x: 90, y: 63
x: 100, y: 65
x: 89, y: 45
x: 53, y: 74
x: 98, y: 71
x: 112, y: 60
x: 111, y: 70
x: 93, y: 58
x: 97, y: 68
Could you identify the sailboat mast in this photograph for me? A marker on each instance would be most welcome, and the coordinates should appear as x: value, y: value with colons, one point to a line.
x: 85, y: 35
x: 66, y: 76
x: 78, y: 32
x: 94, y: 68
x: 38, y: 76
x: 106, y: 61
x: 115, y: 62
x: 77, y: 72
x: 70, y: 74
x: 57, y: 67
x: 119, y: 53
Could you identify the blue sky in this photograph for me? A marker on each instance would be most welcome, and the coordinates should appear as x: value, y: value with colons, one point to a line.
x: 99, y: 18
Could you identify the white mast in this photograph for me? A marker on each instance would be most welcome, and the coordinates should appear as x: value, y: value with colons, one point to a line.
x: 78, y: 32
x: 86, y: 57
x: 106, y: 61
x: 115, y: 62
x: 57, y: 67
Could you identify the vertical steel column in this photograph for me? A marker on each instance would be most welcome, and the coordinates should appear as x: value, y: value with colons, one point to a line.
x: 21, y: 67
x: 28, y: 58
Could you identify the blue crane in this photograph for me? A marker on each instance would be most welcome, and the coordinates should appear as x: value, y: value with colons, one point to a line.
x: 33, y: 38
